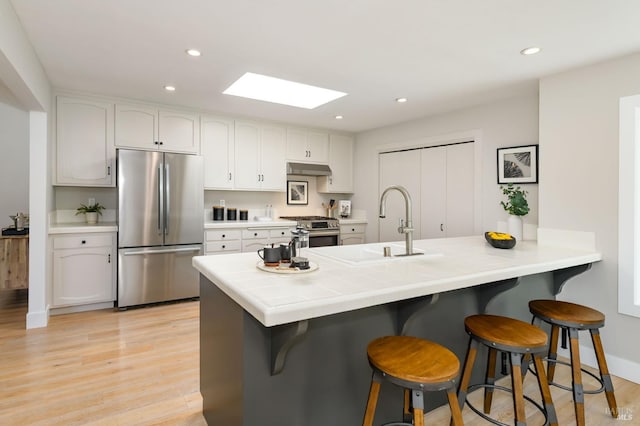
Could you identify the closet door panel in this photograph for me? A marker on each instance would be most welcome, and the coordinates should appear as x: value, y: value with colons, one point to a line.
x: 399, y: 168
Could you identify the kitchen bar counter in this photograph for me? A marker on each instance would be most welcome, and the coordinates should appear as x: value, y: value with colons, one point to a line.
x: 450, y: 264
x: 291, y: 349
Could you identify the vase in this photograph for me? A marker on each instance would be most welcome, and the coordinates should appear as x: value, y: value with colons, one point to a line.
x: 91, y: 217
x: 515, y: 226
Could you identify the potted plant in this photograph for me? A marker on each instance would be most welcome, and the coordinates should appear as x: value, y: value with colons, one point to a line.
x: 517, y: 206
x: 90, y: 212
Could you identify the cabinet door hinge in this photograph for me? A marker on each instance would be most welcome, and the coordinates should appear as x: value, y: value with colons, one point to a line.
x: 108, y: 170
x: 109, y: 258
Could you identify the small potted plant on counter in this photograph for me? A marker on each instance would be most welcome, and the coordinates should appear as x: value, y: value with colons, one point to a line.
x: 90, y: 212
x: 517, y: 206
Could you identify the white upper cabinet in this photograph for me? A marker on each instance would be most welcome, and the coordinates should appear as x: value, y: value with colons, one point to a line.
x: 260, y: 157
x: 217, y: 144
x: 307, y: 146
x: 146, y: 127
x: 341, y: 164
x: 85, y: 151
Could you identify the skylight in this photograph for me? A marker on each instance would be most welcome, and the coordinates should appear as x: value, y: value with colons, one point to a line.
x: 276, y: 90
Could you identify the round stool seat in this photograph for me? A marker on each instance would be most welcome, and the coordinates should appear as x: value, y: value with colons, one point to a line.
x: 413, y: 359
x: 566, y: 313
x: 506, y: 333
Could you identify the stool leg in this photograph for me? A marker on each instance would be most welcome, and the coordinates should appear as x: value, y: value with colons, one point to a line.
x: 456, y: 414
x: 604, y: 372
x: 372, y: 401
x: 490, y: 379
x: 470, y: 359
x: 553, y: 352
x: 543, y: 385
x: 578, y: 391
x: 516, y: 385
x: 406, y: 412
x: 418, y: 407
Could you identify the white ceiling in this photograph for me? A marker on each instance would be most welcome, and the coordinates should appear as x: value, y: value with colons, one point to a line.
x: 441, y: 54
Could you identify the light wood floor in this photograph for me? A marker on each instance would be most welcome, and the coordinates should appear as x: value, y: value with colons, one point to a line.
x: 140, y: 367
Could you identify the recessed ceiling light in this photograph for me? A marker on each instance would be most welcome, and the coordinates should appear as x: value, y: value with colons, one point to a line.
x: 170, y: 88
x: 339, y: 117
x: 401, y: 100
x: 276, y: 90
x: 193, y: 52
x: 530, y: 50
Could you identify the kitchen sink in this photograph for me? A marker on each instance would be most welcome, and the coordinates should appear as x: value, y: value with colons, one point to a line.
x: 370, y: 253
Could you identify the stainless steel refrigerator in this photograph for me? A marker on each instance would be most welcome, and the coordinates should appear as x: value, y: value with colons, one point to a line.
x: 160, y: 226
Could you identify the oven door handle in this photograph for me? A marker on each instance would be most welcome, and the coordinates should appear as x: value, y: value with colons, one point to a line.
x: 316, y: 233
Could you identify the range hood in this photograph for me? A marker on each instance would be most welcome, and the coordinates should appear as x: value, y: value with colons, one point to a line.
x: 308, y: 169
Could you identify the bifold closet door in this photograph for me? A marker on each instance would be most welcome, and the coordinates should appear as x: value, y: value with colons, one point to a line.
x: 447, y: 192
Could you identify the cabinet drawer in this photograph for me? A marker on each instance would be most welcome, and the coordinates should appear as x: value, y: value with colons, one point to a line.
x: 82, y: 240
x: 352, y: 229
x: 280, y: 233
x: 250, y: 234
x: 222, y: 234
x: 222, y: 246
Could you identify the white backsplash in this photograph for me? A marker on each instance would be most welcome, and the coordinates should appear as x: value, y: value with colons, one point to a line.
x: 69, y: 216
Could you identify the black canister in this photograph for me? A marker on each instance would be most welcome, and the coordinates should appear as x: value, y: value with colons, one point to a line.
x: 232, y: 214
x: 218, y: 213
x: 244, y: 214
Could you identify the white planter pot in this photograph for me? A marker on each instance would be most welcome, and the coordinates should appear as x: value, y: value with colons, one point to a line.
x: 515, y: 226
x: 91, y: 217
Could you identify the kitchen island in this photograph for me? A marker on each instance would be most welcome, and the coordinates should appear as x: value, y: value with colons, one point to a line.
x: 290, y: 349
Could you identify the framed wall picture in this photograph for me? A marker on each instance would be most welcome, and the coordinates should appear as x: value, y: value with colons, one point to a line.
x: 297, y: 192
x: 518, y: 164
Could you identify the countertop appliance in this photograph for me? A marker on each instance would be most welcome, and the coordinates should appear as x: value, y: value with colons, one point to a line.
x: 160, y: 223
x: 323, y: 231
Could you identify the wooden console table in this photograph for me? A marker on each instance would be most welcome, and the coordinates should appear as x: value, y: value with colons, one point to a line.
x: 14, y: 262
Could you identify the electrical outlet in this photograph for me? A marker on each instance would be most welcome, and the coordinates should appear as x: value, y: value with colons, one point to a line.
x: 221, y: 203
x: 92, y: 201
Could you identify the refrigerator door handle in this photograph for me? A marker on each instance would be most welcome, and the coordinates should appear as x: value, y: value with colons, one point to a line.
x: 177, y: 250
x: 160, y: 199
x: 167, y: 200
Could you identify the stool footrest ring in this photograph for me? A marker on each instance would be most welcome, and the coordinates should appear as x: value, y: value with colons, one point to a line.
x: 505, y: 389
x: 569, y: 388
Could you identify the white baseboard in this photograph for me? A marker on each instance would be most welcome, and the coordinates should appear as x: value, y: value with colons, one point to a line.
x: 37, y: 319
x: 81, y: 308
x: 620, y: 367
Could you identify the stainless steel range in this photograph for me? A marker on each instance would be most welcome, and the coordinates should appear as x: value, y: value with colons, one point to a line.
x: 323, y: 231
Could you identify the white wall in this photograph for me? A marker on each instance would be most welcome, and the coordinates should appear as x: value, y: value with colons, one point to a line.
x: 579, y: 121
x: 510, y: 122
x: 14, y: 162
x: 22, y: 74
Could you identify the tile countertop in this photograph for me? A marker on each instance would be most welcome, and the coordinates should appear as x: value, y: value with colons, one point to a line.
x: 227, y: 224
x: 336, y: 286
x: 84, y: 228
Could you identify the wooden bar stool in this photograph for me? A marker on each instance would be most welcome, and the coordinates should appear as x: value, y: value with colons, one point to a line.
x: 573, y: 318
x: 417, y: 365
x: 518, y: 339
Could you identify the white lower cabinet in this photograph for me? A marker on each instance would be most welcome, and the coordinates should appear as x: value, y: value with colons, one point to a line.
x: 352, y: 234
x: 221, y: 241
x: 84, y: 269
x: 255, y: 239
